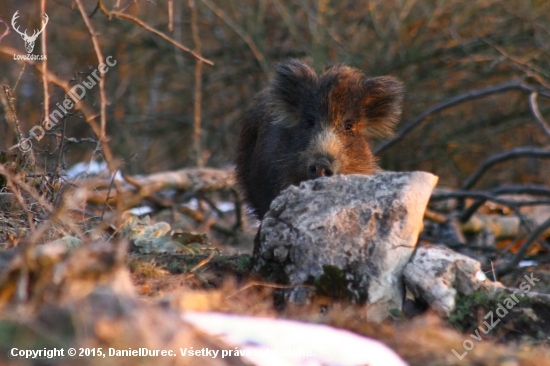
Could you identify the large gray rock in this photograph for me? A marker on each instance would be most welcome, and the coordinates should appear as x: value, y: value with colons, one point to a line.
x: 348, y: 236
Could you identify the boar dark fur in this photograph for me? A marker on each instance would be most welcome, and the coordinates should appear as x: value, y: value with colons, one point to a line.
x: 304, y: 126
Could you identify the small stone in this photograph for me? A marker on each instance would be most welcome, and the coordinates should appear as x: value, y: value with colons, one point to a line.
x: 437, y: 275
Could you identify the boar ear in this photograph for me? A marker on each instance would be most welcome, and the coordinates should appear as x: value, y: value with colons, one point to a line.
x: 382, y: 103
x: 292, y: 83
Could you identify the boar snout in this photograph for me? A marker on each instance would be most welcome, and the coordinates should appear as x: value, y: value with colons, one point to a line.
x: 320, y: 168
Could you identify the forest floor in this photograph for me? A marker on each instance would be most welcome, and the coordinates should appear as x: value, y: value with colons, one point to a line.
x: 216, y: 278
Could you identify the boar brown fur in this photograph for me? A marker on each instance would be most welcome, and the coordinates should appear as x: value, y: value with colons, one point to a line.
x: 304, y: 126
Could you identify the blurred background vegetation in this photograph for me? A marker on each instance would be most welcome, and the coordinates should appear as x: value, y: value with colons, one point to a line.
x: 439, y: 48
x: 160, y: 96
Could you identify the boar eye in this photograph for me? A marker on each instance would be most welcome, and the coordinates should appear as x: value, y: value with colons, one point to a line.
x: 310, y: 122
x: 348, y: 126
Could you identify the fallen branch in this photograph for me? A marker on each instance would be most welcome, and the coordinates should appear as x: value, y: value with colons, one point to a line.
x: 100, y: 60
x: 488, y: 196
x: 456, y: 244
x: 522, y: 189
x: 136, y: 189
x: 520, y: 254
x: 501, y: 226
x: 72, y: 140
x: 535, y: 190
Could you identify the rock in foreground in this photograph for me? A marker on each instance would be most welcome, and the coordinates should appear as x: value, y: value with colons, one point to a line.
x: 348, y: 236
x: 436, y: 275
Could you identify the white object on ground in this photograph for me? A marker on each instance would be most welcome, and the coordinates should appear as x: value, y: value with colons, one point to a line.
x: 278, y: 342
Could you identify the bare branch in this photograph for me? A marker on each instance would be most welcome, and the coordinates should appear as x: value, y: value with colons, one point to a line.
x: 536, y: 113
x: 22, y: 203
x: 456, y: 244
x: 481, y: 198
x: 523, y: 189
x: 532, y: 189
x: 170, y: 15
x: 9, y: 101
x: 153, y: 30
x: 524, y: 66
x: 71, y: 140
x: 45, y: 64
x: 6, y: 32
x: 198, y: 85
x: 56, y: 214
x: 19, y: 77
x: 194, y: 180
x: 519, y: 152
x: 241, y: 32
x: 520, y: 254
x: 100, y: 59
x: 482, y: 195
x: 17, y: 128
x: 89, y: 115
x: 409, y: 126
x: 94, y: 11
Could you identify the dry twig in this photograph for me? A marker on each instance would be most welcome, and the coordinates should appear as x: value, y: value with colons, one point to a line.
x: 154, y: 31
x: 45, y: 63
x: 170, y: 15
x: 518, y: 152
x: 265, y: 284
x: 527, y: 67
x: 10, y: 105
x: 100, y: 60
x: 520, y: 254
x: 536, y: 113
x: 241, y: 32
x: 6, y: 32
x: 409, y: 126
x: 103, y: 113
x: 194, y: 180
x: 198, y: 85
x: 89, y: 115
x: 56, y: 214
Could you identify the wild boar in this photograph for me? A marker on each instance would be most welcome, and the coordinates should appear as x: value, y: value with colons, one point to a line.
x: 305, y: 126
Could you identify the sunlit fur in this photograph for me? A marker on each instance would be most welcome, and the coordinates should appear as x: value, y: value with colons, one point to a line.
x: 301, y: 117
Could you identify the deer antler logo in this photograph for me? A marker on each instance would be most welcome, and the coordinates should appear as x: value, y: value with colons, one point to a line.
x: 29, y: 40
